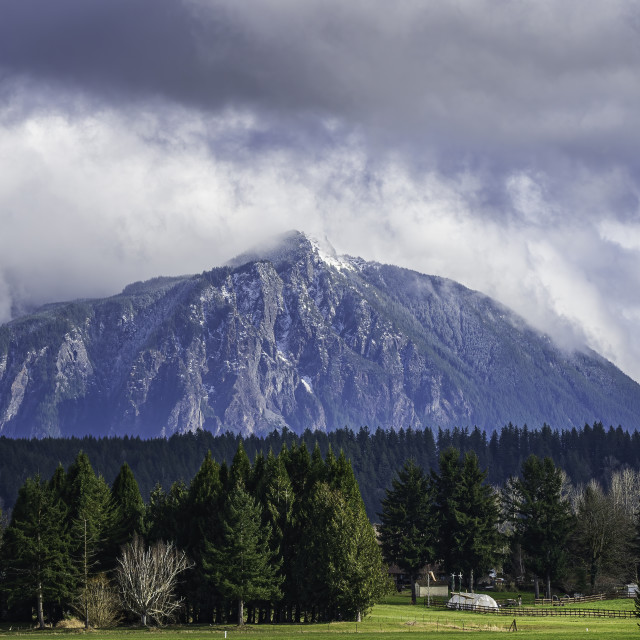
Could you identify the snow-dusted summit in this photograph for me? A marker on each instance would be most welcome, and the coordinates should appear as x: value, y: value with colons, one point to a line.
x: 292, y: 335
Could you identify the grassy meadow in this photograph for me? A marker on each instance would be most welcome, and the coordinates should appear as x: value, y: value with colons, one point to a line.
x: 391, y: 620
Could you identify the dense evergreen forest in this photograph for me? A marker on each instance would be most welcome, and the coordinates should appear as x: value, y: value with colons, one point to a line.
x: 287, y: 537
x: 590, y: 453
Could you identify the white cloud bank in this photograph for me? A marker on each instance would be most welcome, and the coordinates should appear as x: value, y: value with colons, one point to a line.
x: 93, y: 202
x: 490, y: 141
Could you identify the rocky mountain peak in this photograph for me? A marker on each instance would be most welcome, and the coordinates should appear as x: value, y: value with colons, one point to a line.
x: 292, y: 335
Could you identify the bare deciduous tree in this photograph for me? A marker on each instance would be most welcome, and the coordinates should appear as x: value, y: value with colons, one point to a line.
x: 625, y: 490
x: 604, y: 534
x: 99, y: 602
x: 148, y: 576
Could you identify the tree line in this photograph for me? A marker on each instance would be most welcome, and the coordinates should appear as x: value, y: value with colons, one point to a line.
x: 585, y: 454
x: 537, y: 527
x: 285, y: 538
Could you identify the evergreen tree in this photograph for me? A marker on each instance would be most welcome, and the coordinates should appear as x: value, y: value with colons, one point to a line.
x: 541, y: 517
x: 204, y: 503
x: 167, y: 515
x: 240, y: 467
x: 408, y: 531
x: 90, y: 513
x: 243, y: 566
x: 58, y: 481
x: 345, y: 571
x: 298, y: 466
x: 255, y: 483
x: 298, y: 463
x: 277, y: 499
x: 36, y: 562
x: 128, y: 512
x: 467, y: 512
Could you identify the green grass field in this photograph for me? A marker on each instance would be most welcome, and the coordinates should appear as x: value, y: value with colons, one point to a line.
x: 391, y: 620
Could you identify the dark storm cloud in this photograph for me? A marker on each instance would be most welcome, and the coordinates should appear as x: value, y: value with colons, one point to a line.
x: 492, y: 141
x: 490, y: 83
x: 118, y: 49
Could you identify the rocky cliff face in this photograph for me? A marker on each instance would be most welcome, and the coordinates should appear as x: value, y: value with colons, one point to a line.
x: 291, y: 336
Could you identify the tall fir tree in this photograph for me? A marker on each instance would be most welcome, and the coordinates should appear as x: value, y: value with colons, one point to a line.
x: 127, y: 515
x: 243, y: 567
x: 541, y: 517
x: 36, y: 553
x: 240, y: 470
x: 345, y: 571
x: 166, y: 517
x: 277, y: 499
x: 90, y: 515
x: 408, y: 530
x: 297, y: 463
x: 468, y: 515
x: 204, y: 504
x: 90, y: 512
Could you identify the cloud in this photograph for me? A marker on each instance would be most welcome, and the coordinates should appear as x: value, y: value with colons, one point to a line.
x: 93, y: 203
x: 489, y: 141
x: 482, y: 81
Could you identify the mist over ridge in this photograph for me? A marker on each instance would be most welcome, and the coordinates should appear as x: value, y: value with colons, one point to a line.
x: 293, y: 335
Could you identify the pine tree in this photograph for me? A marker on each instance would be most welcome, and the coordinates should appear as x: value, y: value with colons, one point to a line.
x: 277, y: 498
x: 408, y: 532
x: 468, y: 513
x: 36, y: 562
x: 90, y: 511
x: 204, y: 503
x: 90, y: 515
x: 58, y: 481
x: 240, y: 467
x: 128, y: 512
x: 298, y: 466
x: 166, y: 517
x: 345, y: 571
x: 243, y: 566
x: 541, y: 517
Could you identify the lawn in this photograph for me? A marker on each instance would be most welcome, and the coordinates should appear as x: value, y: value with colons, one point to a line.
x: 391, y: 620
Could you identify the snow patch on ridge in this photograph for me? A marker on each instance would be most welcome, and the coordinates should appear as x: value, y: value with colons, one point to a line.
x: 328, y: 255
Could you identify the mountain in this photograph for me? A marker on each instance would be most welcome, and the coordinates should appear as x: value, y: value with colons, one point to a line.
x: 293, y: 336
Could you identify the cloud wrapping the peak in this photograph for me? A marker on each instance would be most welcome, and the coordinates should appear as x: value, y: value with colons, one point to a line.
x: 492, y: 142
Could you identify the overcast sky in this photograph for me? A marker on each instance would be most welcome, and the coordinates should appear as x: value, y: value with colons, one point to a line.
x: 492, y: 142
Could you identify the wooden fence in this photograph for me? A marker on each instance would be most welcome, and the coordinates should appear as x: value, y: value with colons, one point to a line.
x: 541, y: 613
x: 559, y: 602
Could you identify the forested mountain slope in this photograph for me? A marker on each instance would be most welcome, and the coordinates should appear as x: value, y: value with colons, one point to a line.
x: 291, y: 336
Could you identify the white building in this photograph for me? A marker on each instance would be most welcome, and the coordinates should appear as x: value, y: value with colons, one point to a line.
x: 471, y: 601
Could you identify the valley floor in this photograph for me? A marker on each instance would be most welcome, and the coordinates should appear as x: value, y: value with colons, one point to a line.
x: 392, y: 620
